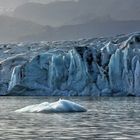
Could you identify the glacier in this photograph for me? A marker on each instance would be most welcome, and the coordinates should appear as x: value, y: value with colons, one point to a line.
x: 60, y: 106
x: 87, y: 67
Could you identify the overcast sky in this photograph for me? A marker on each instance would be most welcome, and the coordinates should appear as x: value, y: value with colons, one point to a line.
x: 10, y: 5
x: 120, y: 9
x: 14, y: 3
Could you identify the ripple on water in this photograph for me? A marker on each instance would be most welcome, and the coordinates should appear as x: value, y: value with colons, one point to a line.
x: 107, y: 118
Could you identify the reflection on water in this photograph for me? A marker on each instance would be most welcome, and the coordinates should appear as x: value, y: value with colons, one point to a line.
x: 107, y: 118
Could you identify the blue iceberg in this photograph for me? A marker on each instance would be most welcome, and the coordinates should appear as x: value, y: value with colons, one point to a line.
x: 61, y: 106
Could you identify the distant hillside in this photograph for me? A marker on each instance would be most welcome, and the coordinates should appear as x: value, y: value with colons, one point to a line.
x: 95, y: 28
x: 60, y: 13
x: 66, y: 20
x: 54, y: 14
x: 12, y: 28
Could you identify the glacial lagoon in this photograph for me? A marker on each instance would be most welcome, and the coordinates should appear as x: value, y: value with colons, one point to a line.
x: 109, y: 118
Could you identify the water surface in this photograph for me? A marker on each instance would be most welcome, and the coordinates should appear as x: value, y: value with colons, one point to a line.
x: 107, y: 118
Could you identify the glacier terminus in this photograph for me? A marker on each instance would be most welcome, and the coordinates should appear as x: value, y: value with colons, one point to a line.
x: 87, y: 67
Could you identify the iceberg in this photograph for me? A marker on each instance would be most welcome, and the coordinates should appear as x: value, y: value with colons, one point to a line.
x: 61, y: 106
x: 87, y: 67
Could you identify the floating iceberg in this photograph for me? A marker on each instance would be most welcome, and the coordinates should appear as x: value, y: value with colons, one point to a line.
x: 60, y: 106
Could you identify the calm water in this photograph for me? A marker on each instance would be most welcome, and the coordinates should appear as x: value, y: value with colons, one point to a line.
x: 107, y: 118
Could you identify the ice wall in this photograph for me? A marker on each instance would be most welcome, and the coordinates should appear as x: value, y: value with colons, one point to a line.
x: 92, y: 67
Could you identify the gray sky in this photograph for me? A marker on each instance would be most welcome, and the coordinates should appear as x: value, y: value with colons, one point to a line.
x: 9, y: 5
x: 120, y: 9
x: 14, y: 3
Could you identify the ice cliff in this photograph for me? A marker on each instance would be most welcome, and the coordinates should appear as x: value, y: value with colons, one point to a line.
x: 86, y: 67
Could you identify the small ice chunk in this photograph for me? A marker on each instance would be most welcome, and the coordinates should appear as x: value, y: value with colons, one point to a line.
x: 61, y: 106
